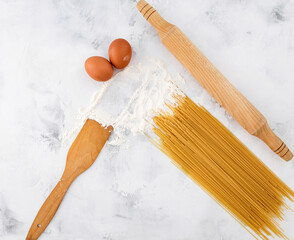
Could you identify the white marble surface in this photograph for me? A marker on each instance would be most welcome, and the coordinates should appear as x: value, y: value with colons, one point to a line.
x: 133, y: 193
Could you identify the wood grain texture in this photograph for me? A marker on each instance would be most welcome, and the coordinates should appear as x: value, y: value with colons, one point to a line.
x: 81, y: 155
x: 213, y: 81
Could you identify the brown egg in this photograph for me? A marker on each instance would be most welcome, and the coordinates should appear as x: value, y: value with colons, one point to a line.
x: 99, y: 68
x: 120, y: 53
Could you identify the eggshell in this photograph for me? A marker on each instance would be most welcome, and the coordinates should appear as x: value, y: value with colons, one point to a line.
x: 99, y: 68
x: 120, y: 53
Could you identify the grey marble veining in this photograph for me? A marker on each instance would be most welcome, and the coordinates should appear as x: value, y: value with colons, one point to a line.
x: 130, y: 193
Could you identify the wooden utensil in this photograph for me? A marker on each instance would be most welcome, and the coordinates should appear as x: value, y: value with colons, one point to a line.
x: 213, y: 81
x: 81, y: 155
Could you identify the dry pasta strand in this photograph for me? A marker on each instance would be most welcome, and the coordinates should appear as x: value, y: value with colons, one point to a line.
x: 222, y: 166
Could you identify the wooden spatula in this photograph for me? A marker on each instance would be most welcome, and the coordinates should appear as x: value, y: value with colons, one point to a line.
x: 81, y: 155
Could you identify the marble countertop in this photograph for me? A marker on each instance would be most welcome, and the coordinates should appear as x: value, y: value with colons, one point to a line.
x: 135, y: 192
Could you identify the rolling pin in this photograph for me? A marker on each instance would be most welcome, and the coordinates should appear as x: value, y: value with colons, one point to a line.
x: 213, y: 81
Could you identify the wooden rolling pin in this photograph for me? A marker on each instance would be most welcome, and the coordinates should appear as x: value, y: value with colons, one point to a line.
x: 213, y: 81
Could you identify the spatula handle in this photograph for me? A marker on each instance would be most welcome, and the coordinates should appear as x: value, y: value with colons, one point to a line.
x: 48, y: 209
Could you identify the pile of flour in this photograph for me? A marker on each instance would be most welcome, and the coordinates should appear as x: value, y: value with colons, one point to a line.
x: 129, y: 101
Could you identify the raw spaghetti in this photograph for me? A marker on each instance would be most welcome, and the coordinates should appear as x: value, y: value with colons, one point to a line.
x: 222, y: 166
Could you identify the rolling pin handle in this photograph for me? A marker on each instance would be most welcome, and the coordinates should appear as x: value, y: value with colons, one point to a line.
x: 151, y: 15
x: 274, y: 142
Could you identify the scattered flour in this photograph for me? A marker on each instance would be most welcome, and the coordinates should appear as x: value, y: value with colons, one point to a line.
x: 155, y: 88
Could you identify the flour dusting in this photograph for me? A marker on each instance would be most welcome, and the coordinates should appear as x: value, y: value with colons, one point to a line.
x: 155, y: 87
